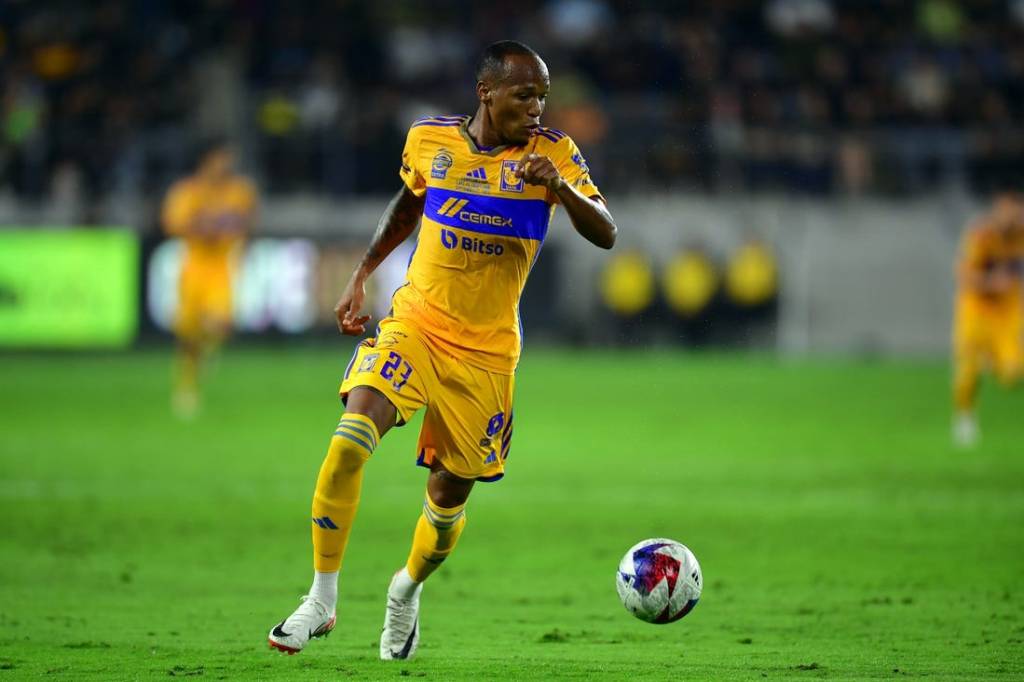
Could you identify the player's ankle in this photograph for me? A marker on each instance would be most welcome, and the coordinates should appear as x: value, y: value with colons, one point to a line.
x: 403, y: 586
x: 325, y: 589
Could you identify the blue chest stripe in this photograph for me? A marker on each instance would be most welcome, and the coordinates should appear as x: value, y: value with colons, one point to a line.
x: 519, y: 218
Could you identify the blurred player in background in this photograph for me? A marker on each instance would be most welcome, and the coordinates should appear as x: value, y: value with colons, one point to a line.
x: 212, y: 211
x: 485, y: 187
x: 988, y: 324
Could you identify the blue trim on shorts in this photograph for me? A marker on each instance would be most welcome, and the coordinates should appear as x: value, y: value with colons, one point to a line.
x: 482, y: 479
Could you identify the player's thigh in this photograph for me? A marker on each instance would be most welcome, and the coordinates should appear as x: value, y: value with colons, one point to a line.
x: 972, y: 342
x: 188, y: 319
x: 217, y: 306
x: 467, y: 426
x: 394, y: 365
x: 1008, y: 350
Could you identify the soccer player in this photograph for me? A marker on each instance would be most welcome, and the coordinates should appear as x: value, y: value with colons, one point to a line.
x: 485, y: 187
x: 212, y: 210
x: 988, y: 317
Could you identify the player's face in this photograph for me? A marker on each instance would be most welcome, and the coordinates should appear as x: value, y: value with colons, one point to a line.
x: 517, y: 102
x: 218, y: 163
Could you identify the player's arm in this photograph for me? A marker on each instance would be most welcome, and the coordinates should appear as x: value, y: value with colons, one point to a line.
x: 398, y: 222
x: 178, y: 212
x: 251, y: 211
x: 589, y: 216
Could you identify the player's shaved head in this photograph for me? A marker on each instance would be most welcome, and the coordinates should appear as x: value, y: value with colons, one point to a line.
x: 498, y: 61
x: 1008, y: 209
x: 512, y: 86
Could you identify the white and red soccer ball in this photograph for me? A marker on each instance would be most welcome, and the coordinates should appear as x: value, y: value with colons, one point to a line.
x: 659, y: 580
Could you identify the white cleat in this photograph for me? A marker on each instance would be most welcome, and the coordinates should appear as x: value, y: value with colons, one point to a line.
x: 185, y: 404
x: 965, y: 430
x: 311, y: 619
x: 401, y: 633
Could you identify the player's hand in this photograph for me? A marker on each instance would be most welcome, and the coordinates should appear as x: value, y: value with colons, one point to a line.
x: 351, y: 302
x: 539, y: 170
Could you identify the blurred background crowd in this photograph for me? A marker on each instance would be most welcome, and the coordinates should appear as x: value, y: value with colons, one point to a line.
x: 104, y: 100
x: 804, y: 165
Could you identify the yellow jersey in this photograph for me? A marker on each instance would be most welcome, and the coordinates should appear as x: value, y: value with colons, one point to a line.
x: 481, y: 232
x: 987, y: 249
x: 220, y: 209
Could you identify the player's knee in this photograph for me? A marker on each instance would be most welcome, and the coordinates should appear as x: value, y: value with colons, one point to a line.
x: 370, y: 403
x: 354, y: 441
x: 344, y: 459
x: 445, y: 489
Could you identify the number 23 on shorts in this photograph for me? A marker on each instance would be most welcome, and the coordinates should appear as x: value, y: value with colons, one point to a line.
x: 394, y: 364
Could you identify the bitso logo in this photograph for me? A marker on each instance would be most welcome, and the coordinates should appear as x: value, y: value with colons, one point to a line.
x: 440, y: 165
x: 509, y: 181
x: 450, y: 240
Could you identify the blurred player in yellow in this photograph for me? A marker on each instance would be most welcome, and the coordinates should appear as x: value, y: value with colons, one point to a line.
x: 485, y: 187
x: 989, y: 319
x: 211, y: 210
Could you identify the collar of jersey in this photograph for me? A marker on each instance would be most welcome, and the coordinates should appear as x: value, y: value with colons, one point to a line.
x: 473, y: 147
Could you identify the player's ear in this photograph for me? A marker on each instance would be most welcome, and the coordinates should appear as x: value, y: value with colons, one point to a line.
x: 483, y: 92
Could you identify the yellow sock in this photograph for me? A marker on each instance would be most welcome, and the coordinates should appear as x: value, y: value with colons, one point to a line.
x: 437, y: 531
x: 187, y: 379
x: 337, y: 489
x: 965, y: 386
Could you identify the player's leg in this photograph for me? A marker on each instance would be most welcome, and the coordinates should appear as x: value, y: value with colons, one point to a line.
x: 381, y: 389
x: 1008, y: 349
x: 215, y: 317
x: 968, y: 351
x: 466, y: 433
x: 188, y: 333
x: 437, y: 532
x: 368, y: 416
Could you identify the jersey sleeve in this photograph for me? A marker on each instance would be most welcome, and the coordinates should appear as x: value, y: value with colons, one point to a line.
x: 573, y: 168
x: 410, y: 172
x: 178, y: 210
x: 973, y: 252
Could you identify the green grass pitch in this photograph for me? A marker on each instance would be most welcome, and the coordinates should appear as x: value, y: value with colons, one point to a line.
x: 840, y: 535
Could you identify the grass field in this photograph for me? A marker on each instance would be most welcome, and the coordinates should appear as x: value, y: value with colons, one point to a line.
x: 839, y: 534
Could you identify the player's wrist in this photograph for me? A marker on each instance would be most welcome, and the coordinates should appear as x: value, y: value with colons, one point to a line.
x: 362, y: 273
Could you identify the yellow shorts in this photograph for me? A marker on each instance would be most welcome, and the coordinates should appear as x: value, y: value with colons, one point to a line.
x: 204, y: 302
x: 989, y: 336
x: 468, y: 423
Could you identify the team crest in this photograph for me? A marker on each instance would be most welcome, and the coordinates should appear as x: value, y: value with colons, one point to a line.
x: 440, y: 165
x: 509, y: 181
x: 368, y: 362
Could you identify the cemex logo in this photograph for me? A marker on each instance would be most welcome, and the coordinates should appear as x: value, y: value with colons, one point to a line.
x: 453, y: 208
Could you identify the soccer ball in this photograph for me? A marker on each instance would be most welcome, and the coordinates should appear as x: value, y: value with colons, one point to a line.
x: 659, y: 580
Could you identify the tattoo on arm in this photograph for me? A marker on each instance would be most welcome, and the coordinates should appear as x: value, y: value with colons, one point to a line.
x: 399, y: 221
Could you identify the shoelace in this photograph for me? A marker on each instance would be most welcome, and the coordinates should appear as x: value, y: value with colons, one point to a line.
x: 400, y: 613
x: 319, y: 611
